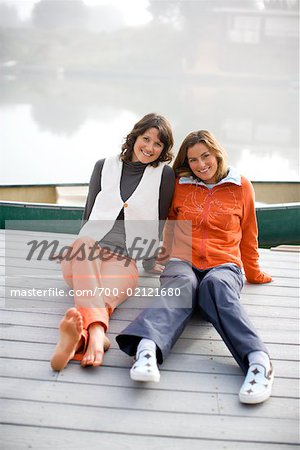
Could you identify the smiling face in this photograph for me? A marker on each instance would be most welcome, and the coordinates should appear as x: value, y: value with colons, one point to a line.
x: 202, y: 163
x: 147, y: 147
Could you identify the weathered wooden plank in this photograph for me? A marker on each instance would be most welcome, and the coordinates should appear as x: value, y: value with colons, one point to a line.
x: 261, y: 306
x: 17, y: 236
x: 287, y: 258
x: 14, y: 237
x: 196, y: 329
x: 46, y: 264
x: 25, y: 282
x: 280, y: 281
x: 45, y: 278
x: 203, y: 347
x: 147, y: 400
x: 114, y: 357
x: 271, y: 264
x: 56, y: 281
x: 21, y: 233
x: 200, y: 346
x: 171, y: 380
x: 38, y: 370
x: 114, y: 397
x: 246, y: 299
x: 19, y: 295
x: 278, y: 287
x: 10, y: 237
x: 205, y: 331
x: 228, y: 405
x: 23, y: 247
x: 15, y: 259
x: 199, y: 366
x: 52, y: 272
x: 267, y: 251
x: 52, y: 267
x: 3, y: 233
x: 41, y: 319
x: 48, y: 307
x: 265, y: 300
x: 37, y: 438
x: 150, y: 422
x: 27, y: 304
x: 259, y: 322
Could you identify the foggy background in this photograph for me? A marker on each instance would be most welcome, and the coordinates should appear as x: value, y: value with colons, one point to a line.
x: 75, y: 75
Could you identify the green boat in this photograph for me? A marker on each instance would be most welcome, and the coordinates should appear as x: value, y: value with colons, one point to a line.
x: 278, y: 224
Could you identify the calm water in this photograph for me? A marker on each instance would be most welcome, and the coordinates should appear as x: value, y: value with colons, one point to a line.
x: 53, y: 131
x: 68, y: 99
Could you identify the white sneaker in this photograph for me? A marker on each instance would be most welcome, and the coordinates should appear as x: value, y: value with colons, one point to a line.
x: 257, y: 386
x: 145, y: 367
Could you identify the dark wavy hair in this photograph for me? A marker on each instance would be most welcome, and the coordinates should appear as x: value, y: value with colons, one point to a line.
x: 165, y: 135
x: 181, y: 164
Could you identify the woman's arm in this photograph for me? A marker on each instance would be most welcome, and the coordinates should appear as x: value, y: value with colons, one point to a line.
x: 249, y: 242
x: 166, y: 191
x: 94, y: 189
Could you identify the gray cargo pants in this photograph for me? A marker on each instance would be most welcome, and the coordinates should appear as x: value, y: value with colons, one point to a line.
x: 216, y: 292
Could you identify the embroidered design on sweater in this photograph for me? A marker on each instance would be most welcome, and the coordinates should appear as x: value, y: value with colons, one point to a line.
x: 205, y: 206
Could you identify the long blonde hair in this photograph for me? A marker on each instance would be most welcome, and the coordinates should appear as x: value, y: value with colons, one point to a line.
x: 181, y: 164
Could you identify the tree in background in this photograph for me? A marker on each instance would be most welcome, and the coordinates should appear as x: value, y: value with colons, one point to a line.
x: 51, y: 14
x: 8, y: 16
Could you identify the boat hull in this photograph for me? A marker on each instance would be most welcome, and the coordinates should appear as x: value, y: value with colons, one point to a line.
x: 277, y: 224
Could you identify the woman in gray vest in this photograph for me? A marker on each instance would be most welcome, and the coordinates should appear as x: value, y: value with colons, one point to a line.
x: 128, y: 201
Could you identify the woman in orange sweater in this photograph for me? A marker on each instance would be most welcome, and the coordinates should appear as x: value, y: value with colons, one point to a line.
x: 210, y: 235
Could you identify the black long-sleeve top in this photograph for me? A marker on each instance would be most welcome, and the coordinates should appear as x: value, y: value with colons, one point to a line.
x: 131, y: 176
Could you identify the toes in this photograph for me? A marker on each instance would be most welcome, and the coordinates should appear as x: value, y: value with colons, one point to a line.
x: 71, y: 313
x: 98, y: 359
x: 79, y: 324
x: 86, y: 361
x: 92, y: 360
x: 78, y: 314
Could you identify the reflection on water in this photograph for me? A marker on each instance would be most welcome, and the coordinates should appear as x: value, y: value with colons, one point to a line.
x: 56, y: 135
x: 236, y: 76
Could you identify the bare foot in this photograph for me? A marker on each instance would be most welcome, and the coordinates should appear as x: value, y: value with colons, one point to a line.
x: 70, y: 328
x: 98, y: 344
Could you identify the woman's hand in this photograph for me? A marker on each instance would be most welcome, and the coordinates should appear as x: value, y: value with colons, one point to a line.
x: 157, y: 268
x: 261, y: 278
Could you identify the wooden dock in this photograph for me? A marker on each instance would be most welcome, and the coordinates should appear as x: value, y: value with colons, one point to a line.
x: 195, y: 405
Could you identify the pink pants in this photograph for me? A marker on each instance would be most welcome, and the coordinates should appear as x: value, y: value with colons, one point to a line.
x: 99, y: 284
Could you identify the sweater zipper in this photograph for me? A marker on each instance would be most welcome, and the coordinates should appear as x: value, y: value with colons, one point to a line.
x: 205, y: 214
x: 205, y: 231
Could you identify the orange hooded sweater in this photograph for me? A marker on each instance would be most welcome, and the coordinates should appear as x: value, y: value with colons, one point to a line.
x: 210, y: 227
